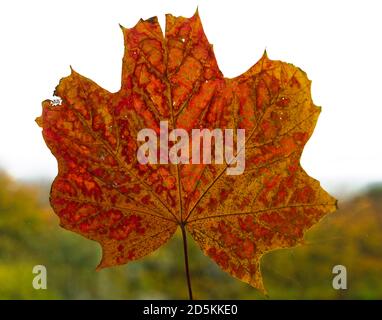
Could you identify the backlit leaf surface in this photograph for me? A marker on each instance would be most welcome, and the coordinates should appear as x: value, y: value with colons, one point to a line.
x: 103, y: 193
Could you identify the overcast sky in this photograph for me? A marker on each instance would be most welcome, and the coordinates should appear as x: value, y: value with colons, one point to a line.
x: 338, y: 44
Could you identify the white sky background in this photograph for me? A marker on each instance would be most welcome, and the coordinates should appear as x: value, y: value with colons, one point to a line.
x: 338, y: 44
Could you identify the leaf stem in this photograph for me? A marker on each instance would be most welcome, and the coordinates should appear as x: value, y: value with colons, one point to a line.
x: 182, y: 226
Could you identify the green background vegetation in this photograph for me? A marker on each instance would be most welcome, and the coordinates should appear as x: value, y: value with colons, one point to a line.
x: 30, y: 235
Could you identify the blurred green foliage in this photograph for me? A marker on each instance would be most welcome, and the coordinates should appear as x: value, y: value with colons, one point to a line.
x: 30, y: 235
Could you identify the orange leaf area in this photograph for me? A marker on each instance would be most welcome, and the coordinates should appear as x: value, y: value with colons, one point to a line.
x: 103, y: 193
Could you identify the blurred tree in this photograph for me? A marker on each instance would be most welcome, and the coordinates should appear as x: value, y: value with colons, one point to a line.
x: 30, y: 235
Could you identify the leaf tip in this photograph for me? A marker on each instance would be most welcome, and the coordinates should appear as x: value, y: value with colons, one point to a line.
x: 196, y: 14
x: 152, y: 20
x: 265, y: 54
x: 99, y: 268
x: 38, y: 120
x: 259, y: 285
x: 102, y: 265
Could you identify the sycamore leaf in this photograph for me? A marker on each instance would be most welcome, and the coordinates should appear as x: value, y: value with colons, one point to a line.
x: 103, y: 193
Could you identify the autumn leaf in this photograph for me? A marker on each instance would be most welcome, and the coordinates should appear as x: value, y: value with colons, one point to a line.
x: 103, y: 193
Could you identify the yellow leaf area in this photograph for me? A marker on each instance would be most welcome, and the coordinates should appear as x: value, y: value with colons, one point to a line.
x: 103, y: 192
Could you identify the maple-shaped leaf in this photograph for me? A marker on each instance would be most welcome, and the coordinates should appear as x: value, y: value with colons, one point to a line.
x: 104, y: 193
